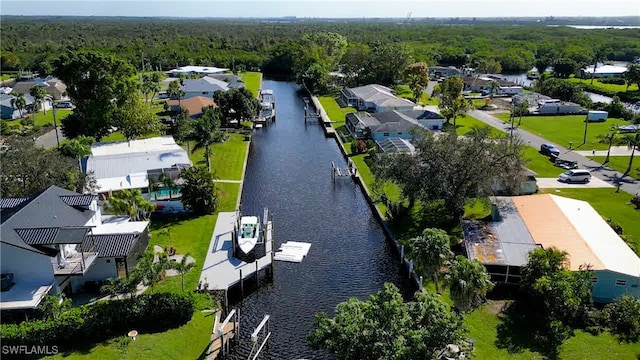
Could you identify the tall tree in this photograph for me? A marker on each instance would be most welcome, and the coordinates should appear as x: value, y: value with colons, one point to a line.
x: 598, y: 55
x: 151, y: 267
x: 27, y: 168
x: 133, y: 118
x: 199, y: 193
x: 98, y: 84
x: 385, y: 327
x: 174, y: 90
x: 317, y: 54
x: 452, y: 102
x: 632, y: 76
x: 38, y: 93
x: 129, y: 202
x: 494, y: 86
x: 236, y: 104
x: 468, y: 282
x: 19, y: 103
x: 417, y: 77
x: 608, y: 139
x: 205, y: 131
x: 542, y: 63
x: 432, y: 252
x: 564, y: 67
x: 150, y: 85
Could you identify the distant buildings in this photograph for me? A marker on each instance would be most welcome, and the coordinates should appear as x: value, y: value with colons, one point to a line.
x: 196, y: 70
x: 604, y: 71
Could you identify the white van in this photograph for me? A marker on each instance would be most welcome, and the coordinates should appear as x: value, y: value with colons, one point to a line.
x: 575, y: 175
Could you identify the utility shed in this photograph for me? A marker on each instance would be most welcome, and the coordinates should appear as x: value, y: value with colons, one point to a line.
x: 566, y: 224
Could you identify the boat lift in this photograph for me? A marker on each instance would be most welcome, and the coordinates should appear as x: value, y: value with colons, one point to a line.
x: 260, y: 337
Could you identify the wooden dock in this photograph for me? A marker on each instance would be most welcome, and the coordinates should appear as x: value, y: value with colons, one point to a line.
x: 223, y: 335
x: 221, y: 269
x: 336, y: 171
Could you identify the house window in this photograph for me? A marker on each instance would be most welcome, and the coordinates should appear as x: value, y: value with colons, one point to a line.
x: 594, y: 280
x: 108, y: 261
x: 385, y: 134
x: 400, y: 133
x: 621, y: 282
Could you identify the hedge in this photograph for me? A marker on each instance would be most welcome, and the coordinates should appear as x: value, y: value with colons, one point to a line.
x: 97, y: 322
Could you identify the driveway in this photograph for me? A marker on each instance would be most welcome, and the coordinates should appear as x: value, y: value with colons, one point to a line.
x: 627, y: 184
x: 552, y: 183
x: 48, y: 139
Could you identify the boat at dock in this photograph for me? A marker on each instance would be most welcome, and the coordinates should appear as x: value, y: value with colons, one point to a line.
x: 267, y: 112
x: 248, y: 233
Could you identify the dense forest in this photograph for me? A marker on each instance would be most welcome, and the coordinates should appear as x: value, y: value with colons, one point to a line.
x: 153, y: 43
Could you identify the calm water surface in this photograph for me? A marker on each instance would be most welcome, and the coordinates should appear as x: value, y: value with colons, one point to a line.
x: 289, y: 172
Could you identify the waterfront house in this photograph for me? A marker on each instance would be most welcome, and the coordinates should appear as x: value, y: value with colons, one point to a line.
x: 193, y: 105
x: 138, y: 164
x: 391, y: 124
x: 523, y: 223
x: 54, y: 86
x: 57, y: 240
x: 482, y: 83
x: 604, y: 71
x: 205, y: 86
x: 374, y: 98
x: 195, y: 70
x: 558, y: 107
x: 233, y: 81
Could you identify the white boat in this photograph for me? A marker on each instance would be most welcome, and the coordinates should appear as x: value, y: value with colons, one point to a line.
x: 248, y: 233
x: 267, y: 113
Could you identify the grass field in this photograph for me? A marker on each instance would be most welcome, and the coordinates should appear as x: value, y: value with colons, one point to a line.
x: 403, y: 91
x: 226, y: 158
x: 466, y: 123
x: 540, y: 163
x: 569, y: 128
x: 605, y: 87
x: 253, y: 81
x: 334, y: 111
x: 620, y: 163
x: 612, y: 205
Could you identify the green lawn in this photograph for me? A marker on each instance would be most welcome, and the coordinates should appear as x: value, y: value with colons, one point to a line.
x: 620, y: 163
x: 334, y: 111
x: 540, y: 163
x: 483, y: 324
x: 605, y: 87
x: 253, y: 81
x: 466, y: 123
x: 226, y: 158
x: 186, y: 342
x: 403, y: 91
x: 569, y: 128
x: 4, y: 77
x: 610, y: 205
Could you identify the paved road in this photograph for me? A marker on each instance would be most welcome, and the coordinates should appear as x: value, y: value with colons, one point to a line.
x: 48, y: 139
x: 552, y: 183
x: 606, y: 174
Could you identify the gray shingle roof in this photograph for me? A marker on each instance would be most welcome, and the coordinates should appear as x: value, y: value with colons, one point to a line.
x: 380, y: 95
x: 205, y: 84
x: 112, y: 245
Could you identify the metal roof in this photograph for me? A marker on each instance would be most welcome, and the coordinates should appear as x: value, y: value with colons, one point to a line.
x: 78, y: 200
x: 8, y: 203
x: 112, y: 245
x: 49, y: 236
x: 396, y: 145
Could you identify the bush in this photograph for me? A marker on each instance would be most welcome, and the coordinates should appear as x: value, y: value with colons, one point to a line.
x: 616, y: 81
x: 635, y: 200
x: 26, y: 121
x: 89, y: 324
x: 624, y: 318
x: 615, y: 226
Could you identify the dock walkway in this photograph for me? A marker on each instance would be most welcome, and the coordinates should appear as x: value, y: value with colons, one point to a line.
x: 221, y: 269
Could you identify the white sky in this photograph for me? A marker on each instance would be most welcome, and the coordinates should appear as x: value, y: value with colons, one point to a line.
x: 324, y: 9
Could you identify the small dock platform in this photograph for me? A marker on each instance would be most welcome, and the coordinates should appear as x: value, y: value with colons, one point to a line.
x: 336, y: 171
x: 292, y: 251
x: 221, y: 269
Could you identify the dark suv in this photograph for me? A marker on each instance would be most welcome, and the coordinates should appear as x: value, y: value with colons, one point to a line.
x: 549, y: 150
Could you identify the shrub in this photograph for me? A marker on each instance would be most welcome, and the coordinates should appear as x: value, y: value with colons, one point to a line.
x: 635, y: 200
x: 624, y: 318
x: 615, y: 226
x: 616, y: 81
x: 26, y: 121
x: 103, y: 320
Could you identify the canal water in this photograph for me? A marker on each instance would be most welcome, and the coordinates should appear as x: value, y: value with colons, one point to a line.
x: 289, y: 172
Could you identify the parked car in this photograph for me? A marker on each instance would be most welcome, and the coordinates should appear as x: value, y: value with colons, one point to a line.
x: 549, y: 150
x: 575, y: 175
x: 63, y: 105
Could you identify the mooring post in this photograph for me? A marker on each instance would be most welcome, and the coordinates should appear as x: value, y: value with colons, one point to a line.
x: 241, y: 284
x: 257, y: 275
x: 420, y: 284
x: 401, y: 254
x: 410, y: 268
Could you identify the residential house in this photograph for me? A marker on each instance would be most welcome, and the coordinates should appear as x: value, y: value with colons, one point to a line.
x: 604, y: 71
x: 391, y: 124
x: 523, y: 223
x: 558, y: 107
x: 374, y: 98
x: 445, y: 71
x: 205, y: 86
x: 193, y: 105
x: 7, y: 111
x: 195, y: 70
x: 54, y: 86
x: 233, y: 81
x: 138, y: 164
x: 57, y: 240
x: 481, y: 83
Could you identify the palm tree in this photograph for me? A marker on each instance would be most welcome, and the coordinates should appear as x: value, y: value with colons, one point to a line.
x: 115, y: 287
x: 468, y: 282
x: 129, y: 202
x: 431, y: 251
x: 522, y: 108
x: 175, y: 91
x: 19, y: 103
x: 493, y: 88
x: 183, y: 267
x: 167, y: 182
x: 205, y: 131
x: 607, y: 139
x: 151, y: 268
x: 598, y: 55
x: 38, y: 93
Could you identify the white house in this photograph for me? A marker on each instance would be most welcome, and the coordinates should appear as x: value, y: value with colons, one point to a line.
x: 558, y: 107
x: 196, y: 70
x: 375, y: 98
x: 604, y: 71
x: 57, y: 240
x: 205, y: 86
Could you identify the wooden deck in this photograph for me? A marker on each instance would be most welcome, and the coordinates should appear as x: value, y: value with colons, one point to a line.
x: 215, y: 347
x: 221, y: 269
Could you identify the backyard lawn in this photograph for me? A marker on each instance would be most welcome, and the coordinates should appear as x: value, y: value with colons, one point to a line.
x: 612, y: 205
x: 253, y: 81
x: 226, y: 158
x: 403, y: 91
x: 334, y: 111
x: 620, y: 163
x: 605, y: 87
x: 466, y: 123
x: 540, y: 163
x: 569, y: 128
